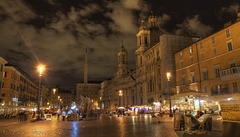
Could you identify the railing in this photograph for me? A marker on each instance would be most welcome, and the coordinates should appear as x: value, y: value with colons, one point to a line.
x: 230, y: 71
x: 230, y: 74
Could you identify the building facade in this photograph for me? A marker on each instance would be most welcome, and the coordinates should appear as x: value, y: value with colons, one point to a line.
x: 44, y: 95
x: 19, y: 89
x: 66, y: 97
x: 60, y: 98
x: 2, y: 65
x: 53, y: 99
x: 211, y: 65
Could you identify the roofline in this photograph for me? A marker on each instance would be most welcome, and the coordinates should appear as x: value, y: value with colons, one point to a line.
x: 3, y: 60
x: 209, y: 36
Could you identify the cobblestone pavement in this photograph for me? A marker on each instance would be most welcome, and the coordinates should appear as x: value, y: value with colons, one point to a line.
x: 127, y: 126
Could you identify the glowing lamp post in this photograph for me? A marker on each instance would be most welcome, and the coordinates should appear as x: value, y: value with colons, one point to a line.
x: 41, y: 69
x: 120, y: 94
x: 53, y: 104
x: 168, y: 78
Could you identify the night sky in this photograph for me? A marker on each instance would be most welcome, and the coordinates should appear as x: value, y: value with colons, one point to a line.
x: 57, y: 32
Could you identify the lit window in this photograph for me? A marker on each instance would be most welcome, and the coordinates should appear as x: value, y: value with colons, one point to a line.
x: 213, y: 40
x: 180, y: 54
x: 190, y: 50
x: 227, y: 33
x: 229, y: 44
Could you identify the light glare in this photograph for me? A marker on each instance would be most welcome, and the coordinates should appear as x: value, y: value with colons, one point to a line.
x: 41, y: 68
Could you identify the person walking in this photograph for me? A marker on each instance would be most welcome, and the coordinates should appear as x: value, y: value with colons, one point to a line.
x: 64, y: 115
x: 59, y: 113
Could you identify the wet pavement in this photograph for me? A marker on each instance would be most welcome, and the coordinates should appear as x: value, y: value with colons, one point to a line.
x: 104, y: 126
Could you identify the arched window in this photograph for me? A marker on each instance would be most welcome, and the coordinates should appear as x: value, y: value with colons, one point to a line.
x: 146, y: 40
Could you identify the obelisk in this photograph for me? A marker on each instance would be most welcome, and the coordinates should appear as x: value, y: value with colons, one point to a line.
x: 85, y: 68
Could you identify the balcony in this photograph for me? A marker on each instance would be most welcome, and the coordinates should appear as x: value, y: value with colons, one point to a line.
x: 230, y: 74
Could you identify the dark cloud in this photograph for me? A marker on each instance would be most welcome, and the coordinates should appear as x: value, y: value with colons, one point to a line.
x: 194, y: 27
x: 19, y: 54
x: 229, y: 12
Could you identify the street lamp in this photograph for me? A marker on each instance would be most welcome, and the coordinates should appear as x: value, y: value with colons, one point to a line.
x: 168, y: 78
x: 120, y: 94
x: 54, y: 91
x: 53, y: 99
x: 41, y: 68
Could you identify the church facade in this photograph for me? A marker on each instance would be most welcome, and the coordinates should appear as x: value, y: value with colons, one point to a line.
x: 148, y: 82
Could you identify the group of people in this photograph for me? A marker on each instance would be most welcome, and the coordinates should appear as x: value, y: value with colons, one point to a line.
x: 85, y: 114
x: 63, y: 113
x: 120, y: 112
x: 35, y: 115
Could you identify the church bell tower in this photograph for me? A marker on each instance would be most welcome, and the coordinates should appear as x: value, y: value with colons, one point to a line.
x: 122, y: 62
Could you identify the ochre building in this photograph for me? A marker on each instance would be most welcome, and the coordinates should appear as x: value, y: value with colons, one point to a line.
x: 211, y: 66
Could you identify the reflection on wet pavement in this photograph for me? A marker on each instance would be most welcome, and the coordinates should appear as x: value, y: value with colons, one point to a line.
x: 127, y: 126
